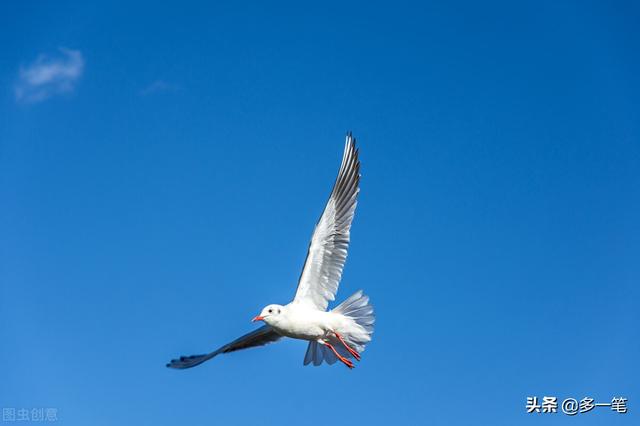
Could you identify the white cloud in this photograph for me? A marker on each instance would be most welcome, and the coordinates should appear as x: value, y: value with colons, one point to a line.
x: 159, y: 86
x: 49, y: 75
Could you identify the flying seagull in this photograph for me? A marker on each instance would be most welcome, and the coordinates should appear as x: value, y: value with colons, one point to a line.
x: 338, y: 334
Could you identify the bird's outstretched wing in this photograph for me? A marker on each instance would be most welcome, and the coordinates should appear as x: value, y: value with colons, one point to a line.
x: 327, y: 253
x: 259, y: 337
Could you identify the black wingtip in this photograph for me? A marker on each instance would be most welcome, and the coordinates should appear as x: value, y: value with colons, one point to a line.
x: 176, y: 363
x: 351, y: 138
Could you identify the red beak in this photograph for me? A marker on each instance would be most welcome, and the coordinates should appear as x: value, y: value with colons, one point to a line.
x: 258, y: 318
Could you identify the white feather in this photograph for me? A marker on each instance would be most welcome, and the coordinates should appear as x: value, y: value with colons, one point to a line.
x: 327, y: 253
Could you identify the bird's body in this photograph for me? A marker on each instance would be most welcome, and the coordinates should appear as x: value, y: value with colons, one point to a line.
x: 338, y: 334
x: 303, y: 322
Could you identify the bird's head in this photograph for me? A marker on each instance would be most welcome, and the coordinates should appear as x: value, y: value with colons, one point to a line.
x: 269, y: 314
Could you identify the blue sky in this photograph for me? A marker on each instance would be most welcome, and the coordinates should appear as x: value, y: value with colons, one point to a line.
x: 162, y: 167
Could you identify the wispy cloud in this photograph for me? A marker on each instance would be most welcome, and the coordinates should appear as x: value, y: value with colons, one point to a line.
x: 49, y: 75
x: 159, y: 86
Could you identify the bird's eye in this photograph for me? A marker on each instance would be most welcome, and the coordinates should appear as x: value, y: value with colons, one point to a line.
x: 270, y: 310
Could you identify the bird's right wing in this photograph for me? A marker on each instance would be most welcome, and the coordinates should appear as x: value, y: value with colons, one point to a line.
x: 259, y: 337
x: 327, y: 252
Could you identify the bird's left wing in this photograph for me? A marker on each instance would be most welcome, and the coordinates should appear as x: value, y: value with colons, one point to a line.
x: 327, y: 253
x: 259, y: 337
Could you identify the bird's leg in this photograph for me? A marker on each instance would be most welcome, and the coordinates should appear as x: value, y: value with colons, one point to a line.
x: 344, y: 360
x: 352, y: 351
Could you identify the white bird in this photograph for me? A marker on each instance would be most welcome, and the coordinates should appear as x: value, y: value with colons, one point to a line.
x: 338, y: 334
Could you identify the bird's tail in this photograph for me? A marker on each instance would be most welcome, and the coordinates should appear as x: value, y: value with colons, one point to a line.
x: 358, y: 309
